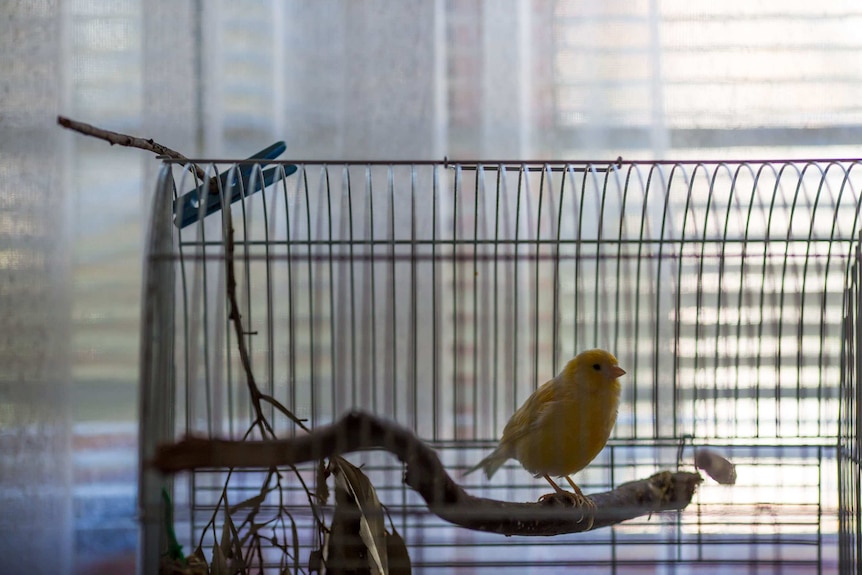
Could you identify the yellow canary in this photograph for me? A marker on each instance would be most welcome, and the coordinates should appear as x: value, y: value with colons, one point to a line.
x: 565, y: 423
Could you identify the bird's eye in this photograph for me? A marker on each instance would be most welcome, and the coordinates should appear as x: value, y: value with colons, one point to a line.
x: 597, y: 367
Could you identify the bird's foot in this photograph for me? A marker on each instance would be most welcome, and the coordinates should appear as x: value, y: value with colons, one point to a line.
x: 563, y: 498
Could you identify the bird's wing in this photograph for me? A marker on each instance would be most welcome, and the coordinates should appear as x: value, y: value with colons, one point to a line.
x: 525, y: 420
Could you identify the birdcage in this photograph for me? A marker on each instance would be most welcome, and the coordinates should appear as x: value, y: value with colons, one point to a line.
x: 438, y: 295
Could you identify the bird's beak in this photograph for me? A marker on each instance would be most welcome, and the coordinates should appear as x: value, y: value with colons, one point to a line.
x: 617, y: 371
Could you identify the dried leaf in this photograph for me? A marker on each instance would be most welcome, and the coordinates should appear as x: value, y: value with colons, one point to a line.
x: 199, y: 556
x: 295, y: 535
x: 716, y: 466
x: 371, y: 525
x: 315, y: 561
x: 237, y: 565
x: 229, y: 549
x: 344, y: 552
x: 226, y: 543
x: 396, y: 553
x: 324, y: 551
x: 219, y: 562
x: 320, y: 485
x: 196, y: 564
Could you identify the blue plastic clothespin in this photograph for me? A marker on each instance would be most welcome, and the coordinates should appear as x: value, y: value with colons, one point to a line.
x: 188, y: 205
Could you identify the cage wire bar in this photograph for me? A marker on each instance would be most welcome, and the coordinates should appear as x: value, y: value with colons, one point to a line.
x: 439, y: 295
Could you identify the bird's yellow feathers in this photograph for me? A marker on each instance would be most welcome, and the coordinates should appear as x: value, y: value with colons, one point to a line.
x: 566, y: 422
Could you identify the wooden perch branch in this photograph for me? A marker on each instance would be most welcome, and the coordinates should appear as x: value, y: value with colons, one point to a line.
x: 425, y: 474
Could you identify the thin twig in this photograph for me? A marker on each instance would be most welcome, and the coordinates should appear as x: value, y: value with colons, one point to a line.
x: 255, y: 394
x: 426, y: 475
x: 119, y: 139
x: 236, y: 320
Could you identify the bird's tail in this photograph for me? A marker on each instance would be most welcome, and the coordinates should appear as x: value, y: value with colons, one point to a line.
x: 491, y: 463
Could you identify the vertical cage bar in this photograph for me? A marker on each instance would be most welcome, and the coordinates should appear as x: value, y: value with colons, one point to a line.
x: 156, y: 369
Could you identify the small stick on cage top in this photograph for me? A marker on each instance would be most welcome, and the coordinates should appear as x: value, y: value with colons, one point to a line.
x: 118, y: 139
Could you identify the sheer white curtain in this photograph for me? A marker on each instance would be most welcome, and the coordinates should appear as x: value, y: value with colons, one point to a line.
x: 336, y: 79
x: 35, y: 467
